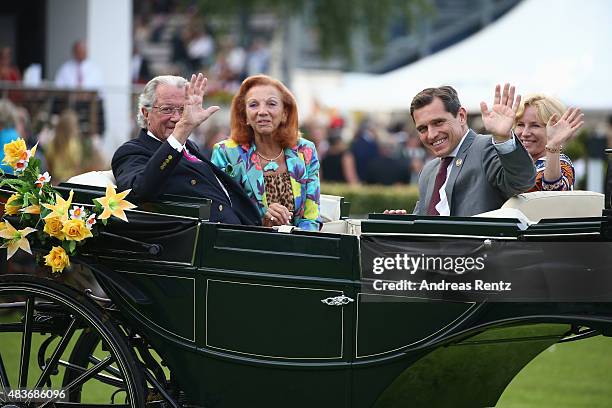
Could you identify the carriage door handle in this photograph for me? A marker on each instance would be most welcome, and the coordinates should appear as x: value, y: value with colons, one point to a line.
x: 337, y: 300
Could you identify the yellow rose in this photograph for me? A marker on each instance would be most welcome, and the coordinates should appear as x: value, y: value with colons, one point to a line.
x: 10, y: 208
x: 15, y: 151
x: 75, y: 230
x: 53, y: 227
x: 57, y: 259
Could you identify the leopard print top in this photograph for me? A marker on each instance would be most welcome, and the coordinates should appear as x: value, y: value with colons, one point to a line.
x: 278, y: 189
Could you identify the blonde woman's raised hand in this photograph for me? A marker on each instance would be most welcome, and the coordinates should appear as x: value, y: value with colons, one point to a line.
x: 561, y: 130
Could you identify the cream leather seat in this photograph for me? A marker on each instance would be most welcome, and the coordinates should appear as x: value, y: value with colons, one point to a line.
x: 94, y: 178
x: 550, y: 204
x: 330, y: 214
x: 330, y: 207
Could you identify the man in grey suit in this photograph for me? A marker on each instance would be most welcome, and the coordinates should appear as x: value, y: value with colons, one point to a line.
x: 472, y: 173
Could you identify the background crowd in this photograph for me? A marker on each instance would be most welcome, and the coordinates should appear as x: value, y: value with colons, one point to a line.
x: 171, y: 39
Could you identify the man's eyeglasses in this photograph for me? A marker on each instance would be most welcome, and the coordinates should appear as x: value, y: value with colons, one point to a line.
x: 169, y: 110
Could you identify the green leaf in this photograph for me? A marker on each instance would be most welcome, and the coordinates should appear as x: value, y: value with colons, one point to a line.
x: 14, y: 183
x: 44, y: 212
x: 72, y: 247
x: 34, y: 164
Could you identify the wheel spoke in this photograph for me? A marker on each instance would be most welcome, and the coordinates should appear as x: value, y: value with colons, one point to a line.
x: 4, y: 381
x: 26, y: 343
x: 90, y: 373
x: 84, y: 377
x: 106, y: 379
x: 110, y: 369
x: 59, y: 350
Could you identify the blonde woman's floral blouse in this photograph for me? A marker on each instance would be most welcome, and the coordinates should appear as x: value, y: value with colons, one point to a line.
x: 564, y: 183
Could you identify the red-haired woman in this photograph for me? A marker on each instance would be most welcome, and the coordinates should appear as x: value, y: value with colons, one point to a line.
x: 265, y: 154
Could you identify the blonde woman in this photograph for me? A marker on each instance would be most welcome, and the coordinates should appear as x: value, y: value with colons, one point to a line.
x: 544, y: 126
x: 64, y: 153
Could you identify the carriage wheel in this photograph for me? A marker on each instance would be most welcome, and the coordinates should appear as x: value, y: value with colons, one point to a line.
x: 40, y: 322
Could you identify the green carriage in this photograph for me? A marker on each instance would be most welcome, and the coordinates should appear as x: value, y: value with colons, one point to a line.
x: 198, y: 314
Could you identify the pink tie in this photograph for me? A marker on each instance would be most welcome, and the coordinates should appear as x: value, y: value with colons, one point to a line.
x: 190, y: 156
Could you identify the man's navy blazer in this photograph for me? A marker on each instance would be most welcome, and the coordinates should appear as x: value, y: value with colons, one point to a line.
x: 152, y: 168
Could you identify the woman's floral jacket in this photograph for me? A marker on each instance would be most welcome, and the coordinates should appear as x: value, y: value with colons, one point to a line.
x: 242, y: 163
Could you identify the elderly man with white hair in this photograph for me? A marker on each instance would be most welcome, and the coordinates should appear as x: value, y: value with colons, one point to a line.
x: 162, y: 161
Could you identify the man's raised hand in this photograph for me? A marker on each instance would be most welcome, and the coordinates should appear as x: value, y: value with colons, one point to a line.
x: 499, y: 120
x: 194, y: 113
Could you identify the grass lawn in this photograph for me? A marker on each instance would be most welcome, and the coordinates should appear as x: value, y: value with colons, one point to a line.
x: 575, y: 374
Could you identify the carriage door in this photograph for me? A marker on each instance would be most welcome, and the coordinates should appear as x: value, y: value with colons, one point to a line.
x: 281, y: 304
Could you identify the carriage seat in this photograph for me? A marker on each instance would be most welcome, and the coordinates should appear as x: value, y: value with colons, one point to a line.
x: 331, y: 215
x: 94, y: 178
x: 330, y: 208
x: 539, y: 205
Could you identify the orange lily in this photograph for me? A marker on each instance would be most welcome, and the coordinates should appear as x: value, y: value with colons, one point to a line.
x: 114, y: 203
x: 60, y: 208
x: 16, y: 239
x: 32, y: 209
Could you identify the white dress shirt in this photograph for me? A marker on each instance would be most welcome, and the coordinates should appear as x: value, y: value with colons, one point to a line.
x: 68, y: 75
x: 502, y: 148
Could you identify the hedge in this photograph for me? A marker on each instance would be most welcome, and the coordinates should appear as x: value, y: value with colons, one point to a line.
x: 367, y: 199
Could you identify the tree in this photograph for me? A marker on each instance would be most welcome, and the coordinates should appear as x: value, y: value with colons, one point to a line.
x: 335, y: 20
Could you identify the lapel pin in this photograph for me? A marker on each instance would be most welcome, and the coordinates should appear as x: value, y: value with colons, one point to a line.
x: 458, y: 162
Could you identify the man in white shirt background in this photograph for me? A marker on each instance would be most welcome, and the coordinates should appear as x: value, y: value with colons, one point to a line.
x: 79, y: 72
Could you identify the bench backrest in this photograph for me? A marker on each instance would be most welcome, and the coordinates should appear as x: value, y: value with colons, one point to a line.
x: 94, y: 178
x: 539, y: 205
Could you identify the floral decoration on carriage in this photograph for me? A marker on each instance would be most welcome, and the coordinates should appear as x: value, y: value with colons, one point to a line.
x: 37, y: 213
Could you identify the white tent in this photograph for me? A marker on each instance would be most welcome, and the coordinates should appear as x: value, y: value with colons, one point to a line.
x: 558, y: 47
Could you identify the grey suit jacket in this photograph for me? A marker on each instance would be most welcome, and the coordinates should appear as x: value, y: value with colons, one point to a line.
x: 481, y: 179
